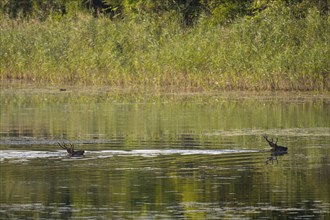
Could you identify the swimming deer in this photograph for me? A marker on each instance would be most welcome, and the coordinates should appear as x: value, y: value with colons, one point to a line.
x: 276, y: 150
x: 71, y: 151
x: 274, y: 146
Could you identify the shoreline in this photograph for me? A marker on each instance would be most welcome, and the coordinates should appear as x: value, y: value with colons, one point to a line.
x: 16, y: 88
x: 173, y: 88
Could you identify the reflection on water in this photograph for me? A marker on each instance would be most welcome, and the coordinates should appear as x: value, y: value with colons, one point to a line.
x: 165, y: 157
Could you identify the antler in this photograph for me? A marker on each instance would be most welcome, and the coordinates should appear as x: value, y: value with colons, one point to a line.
x: 62, y: 146
x: 68, y: 149
x: 271, y: 142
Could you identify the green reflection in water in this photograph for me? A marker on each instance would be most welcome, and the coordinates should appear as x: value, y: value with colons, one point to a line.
x: 156, y: 118
x: 165, y: 186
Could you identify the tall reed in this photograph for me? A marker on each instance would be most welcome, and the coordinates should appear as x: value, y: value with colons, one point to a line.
x: 273, y: 51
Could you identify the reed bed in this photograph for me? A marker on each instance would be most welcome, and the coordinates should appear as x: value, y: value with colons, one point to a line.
x: 269, y: 52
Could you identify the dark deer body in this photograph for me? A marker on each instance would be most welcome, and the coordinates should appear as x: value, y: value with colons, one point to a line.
x: 274, y: 146
x: 275, y: 151
x: 71, y: 151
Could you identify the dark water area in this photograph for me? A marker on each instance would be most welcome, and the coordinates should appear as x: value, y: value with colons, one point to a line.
x: 167, y: 156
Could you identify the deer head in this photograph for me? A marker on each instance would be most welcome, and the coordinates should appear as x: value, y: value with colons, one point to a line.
x: 271, y: 142
x: 70, y: 149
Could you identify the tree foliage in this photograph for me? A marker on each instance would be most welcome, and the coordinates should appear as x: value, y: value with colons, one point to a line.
x: 32, y: 8
x: 190, y: 11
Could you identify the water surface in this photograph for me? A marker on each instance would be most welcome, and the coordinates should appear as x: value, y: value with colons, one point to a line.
x: 189, y: 156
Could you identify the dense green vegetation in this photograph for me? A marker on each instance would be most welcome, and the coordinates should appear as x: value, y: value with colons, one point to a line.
x: 168, y: 45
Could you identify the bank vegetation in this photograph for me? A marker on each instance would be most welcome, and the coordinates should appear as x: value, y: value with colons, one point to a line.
x: 205, y: 46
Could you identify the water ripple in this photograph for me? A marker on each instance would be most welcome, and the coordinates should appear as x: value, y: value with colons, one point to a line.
x: 22, y: 154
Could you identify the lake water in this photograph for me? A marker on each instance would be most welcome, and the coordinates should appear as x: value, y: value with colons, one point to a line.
x: 167, y: 156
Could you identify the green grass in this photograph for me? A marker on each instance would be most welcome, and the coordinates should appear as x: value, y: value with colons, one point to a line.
x: 268, y: 52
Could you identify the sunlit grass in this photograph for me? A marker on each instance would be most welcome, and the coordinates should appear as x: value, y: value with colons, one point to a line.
x: 263, y: 53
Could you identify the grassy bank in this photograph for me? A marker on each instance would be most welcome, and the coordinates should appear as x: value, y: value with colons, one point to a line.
x: 273, y: 51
